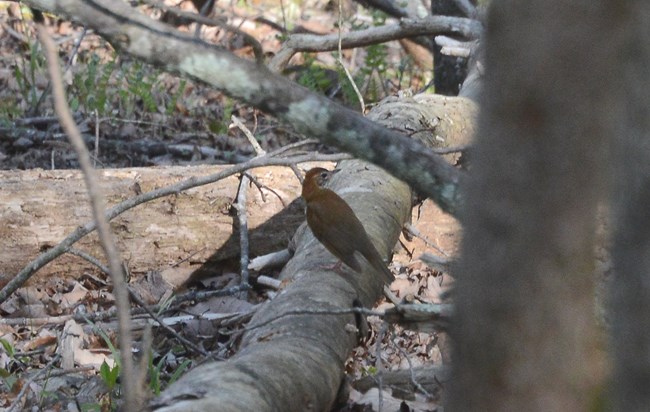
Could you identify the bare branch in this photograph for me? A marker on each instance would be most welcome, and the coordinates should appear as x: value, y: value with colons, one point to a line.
x: 222, y: 23
x: 241, y: 205
x: 339, y: 58
x: 131, y: 391
x: 195, y: 348
x: 406, y: 28
x: 271, y: 260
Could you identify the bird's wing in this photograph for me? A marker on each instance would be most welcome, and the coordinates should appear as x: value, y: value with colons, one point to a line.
x: 336, y: 226
x: 378, y: 265
x: 338, y: 232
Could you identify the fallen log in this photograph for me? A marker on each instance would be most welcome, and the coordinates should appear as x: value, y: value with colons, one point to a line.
x: 41, y: 207
x: 292, y: 354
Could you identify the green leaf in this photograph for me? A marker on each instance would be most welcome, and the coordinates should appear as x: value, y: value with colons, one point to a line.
x: 8, y: 347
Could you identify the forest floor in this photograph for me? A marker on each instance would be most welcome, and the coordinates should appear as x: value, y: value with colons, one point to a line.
x: 134, y: 115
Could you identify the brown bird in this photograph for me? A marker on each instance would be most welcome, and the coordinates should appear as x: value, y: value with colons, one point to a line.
x: 335, y: 225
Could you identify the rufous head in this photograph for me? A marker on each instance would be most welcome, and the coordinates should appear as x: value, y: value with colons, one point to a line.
x: 319, y: 176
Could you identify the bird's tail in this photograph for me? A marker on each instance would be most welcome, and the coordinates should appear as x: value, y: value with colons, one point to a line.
x: 377, y: 264
x: 387, y: 275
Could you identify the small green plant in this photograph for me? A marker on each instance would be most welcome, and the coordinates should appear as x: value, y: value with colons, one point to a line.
x: 220, y: 126
x: 315, y: 77
x: 91, y: 407
x: 90, y: 88
x: 370, y: 77
x: 132, y: 87
x: 26, y: 76
x: 179, y: 371
x: 109, y: 374
x: 369, y: 371
x: 174, y: 99
x: 141, y: 84
x: 144, y: 90
x: 8, y: 347
x: 9, y: 109
x: 9, y: 379
x: 155, y: 373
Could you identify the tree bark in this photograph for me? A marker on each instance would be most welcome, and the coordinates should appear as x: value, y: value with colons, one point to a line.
x: 630, y: 287
x: 524, y: 330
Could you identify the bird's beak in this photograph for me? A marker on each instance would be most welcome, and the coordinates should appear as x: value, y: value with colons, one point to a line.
x: 335, y: 171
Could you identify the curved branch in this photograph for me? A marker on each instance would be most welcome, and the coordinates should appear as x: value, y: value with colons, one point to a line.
x: 406, y: 28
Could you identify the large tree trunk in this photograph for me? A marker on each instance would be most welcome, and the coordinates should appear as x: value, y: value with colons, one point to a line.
x: 631, y: 251
x: 524, y: 327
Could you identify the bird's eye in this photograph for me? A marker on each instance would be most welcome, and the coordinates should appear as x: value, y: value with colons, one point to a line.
x: 324, y: 175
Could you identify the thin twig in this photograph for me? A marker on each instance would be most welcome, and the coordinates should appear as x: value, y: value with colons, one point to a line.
x: 242, y: 217
x: 241, y: 206
x: 72, y: 371
x: 13, y: 33
x: 270, y: 260
x: 96, y: 136
x: 415, y: 232
x: 251, y: 139
x: 451, y: 149
x: 206, y: 294
x: 379, y: 366
x: 295, y: 145
x: 414, y: 381
x: 298, y: 174
x: 258, y: 51
x: 188, y: 257
x: 261, y: 186
x: 340, y: 60
x: 195, y: 348
x: 205, y: 10
x: 270, y: 282
x: 405, y: 28
x: 436, y: 262
x: 75, y: 50
x: 97, y: 203
x: 109, y: 314
x: 90, y: 259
